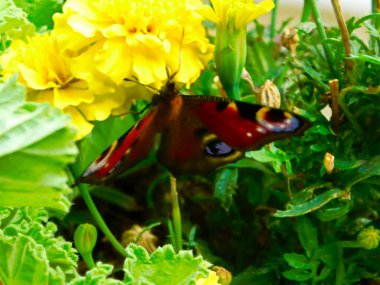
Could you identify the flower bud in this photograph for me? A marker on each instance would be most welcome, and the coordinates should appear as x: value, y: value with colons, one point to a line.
x: 369, y: 238
x: 269, y: 95
x: 225, y: 277
x: 85, y: 237
x: 230, y: 54
x: 328, y: 162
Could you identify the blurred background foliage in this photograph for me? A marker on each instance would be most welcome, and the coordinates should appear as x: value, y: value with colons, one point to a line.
x: 303, y: 210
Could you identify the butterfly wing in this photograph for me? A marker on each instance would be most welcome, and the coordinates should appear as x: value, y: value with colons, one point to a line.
x: 209, y: 132
x: 126, y: 151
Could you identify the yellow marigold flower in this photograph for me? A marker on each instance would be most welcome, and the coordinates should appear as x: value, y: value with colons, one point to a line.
x: 48, y: 76
x: 212, y: 279
x: 236, y: 14
x: 146, y: 40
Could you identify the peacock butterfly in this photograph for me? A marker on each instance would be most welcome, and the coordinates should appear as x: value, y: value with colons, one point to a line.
x: 198, y: 134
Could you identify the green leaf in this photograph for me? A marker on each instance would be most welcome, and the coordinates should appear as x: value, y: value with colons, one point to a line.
x: 307, y: 235
x: 19, y: 257
x: 163, y: 267
x: 367, y: 170
x: 333, y: 213
x: 330, y: 254
x: 345, y: 165
x: 306, y: 27
x: 97, y: 275
x: 28, y: 244
x: 13, y: 22
x: 36, y: 144
x: 366, y: 58
x: 297, y: 261
x: 312, y: 205
x: 297, y: 275
x: 225, y: 186
x: 256, y: 276
x: 40, y: 12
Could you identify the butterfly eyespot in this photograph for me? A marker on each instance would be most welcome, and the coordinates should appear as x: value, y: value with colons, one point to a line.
x: 218, y: 148
x: 276, y: 120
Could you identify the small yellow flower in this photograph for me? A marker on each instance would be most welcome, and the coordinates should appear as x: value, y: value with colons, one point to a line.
x: 146, y: 40
x: 212, y: 279
x: 234, y: 15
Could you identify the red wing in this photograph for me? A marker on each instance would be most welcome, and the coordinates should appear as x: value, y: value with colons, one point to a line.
x: 189, y: 148
x: 245, y: 126
x: 208, y: 132
x: 126, y: 151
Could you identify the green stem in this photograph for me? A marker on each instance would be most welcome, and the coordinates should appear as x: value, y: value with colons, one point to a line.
x: 176, y: 214
x: 272, y: 31
x: 233, y: 91
x: 323, y: 36
x: 347, y: 112
x: 375, y: 20
x: 306, y: 11
x: 83, y: 189
x: 89, y: 260
x: 350, y: 244
x: 375, y: 6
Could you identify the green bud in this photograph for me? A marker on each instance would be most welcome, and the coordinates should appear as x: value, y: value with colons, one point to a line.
x: 85, y: 237
x: 230, y: 55
x: 369, y: 238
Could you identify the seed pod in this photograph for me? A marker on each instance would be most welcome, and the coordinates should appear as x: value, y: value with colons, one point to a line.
x: 146, y: 239
x: 269, y: 95
x: 290, y: 40
x: 225, y: 277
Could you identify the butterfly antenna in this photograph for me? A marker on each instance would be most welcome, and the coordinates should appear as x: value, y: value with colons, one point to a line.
x: 136, y: 112
x: 153, y: 89
x: 171, y: 76
x: 83, y: 115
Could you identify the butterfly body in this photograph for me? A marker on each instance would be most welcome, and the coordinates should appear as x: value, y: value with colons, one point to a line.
x: 198, y: 134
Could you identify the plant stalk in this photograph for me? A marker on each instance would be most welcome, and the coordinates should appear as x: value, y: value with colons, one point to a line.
x: 272, y: 31
x: 83, y: 190
x: 345, y: 36
x: 176, y: 213
x: 334, y: 87
x: 99, y: 219
x: 306, y: 11
x: 89, y: 260
x: 323, y: 36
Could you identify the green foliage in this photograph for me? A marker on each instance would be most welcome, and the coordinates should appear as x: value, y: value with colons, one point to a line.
x: 40, y: 12
x: 97, y: 275
x: 36, y: 144
x: 30, y: 254
x: 164, y: 266
x: 278, y: 216
x: 13, y: 23
x: 225, y: 186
